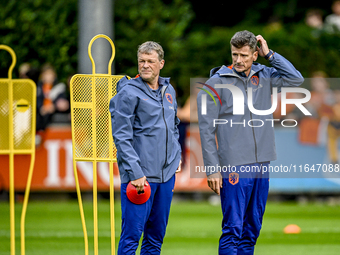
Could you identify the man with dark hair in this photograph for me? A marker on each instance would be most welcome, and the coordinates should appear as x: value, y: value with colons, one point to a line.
x: 243, y: 146
x: 144, y: 129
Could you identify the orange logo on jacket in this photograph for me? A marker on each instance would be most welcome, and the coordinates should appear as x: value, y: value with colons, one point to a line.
x: 233, y: 178
x: 168, y: 97
x: 254, y: 80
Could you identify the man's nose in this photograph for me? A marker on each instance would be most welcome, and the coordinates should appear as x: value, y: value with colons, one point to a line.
x: 238, y: 60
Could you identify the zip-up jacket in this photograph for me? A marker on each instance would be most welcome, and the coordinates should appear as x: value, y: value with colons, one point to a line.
x: 248, y: 138
x: 145, y: 130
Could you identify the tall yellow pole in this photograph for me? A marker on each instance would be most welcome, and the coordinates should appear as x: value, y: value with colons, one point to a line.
x: 24, y: 206
x: 81, y: 208
x: 112, y: 210
x: 11, y: 150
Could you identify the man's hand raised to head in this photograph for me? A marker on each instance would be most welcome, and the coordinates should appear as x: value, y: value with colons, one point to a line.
x: 263, y: 49
x: 139, y: 184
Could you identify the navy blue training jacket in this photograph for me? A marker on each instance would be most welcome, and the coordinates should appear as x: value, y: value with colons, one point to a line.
x: 241, y: 143
x: 145, y: 131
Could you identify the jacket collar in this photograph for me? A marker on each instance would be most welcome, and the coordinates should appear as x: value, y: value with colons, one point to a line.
x: 229, y: 70
x: 139, y: 83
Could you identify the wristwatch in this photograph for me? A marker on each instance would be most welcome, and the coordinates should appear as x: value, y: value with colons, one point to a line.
x: 268, y: 56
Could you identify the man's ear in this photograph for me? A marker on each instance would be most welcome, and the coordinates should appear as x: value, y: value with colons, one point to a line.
x: 255, y: 55
x: 162, y: 63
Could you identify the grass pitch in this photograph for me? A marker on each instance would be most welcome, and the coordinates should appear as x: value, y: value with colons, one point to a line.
x: 54, y: 228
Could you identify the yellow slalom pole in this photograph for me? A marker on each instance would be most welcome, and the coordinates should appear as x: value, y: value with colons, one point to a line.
x: 27, y: 96
x: 95, y: 208
x: 113, y: 159
x: 30, y: 173
x: 91, y: 132
x: 81, y: 208
x: 11, y: 171
x: 94, y: 161
x: 24, y: 207
x: 112, y: 210
x: 11, y: 202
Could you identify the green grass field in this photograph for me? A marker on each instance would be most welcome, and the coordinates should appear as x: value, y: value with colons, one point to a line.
x: 54, y: 228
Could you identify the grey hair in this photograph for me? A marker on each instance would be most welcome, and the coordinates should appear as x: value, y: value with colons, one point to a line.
x: 244, y: 38
x: 149, y: 46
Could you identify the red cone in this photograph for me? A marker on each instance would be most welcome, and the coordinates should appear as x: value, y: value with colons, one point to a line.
x: 136, y: 198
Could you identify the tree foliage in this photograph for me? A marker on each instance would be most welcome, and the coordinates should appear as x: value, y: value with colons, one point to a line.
x: 47, y: 31
x: 153, y: 20
x: 40, y: 31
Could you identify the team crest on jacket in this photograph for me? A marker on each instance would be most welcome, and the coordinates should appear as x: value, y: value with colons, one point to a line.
x: 254, y: 80
x: 233, y: 178
x: 168, y: 97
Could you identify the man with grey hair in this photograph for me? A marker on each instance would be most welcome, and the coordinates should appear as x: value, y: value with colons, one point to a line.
x: 245, y: 147
x: 144, y: 129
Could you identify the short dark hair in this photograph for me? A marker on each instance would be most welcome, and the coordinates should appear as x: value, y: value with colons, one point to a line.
x: 244, y: 38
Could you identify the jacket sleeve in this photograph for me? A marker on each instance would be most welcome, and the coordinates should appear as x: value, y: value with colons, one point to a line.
x: 177, y: 121
x: 207, y: 129
x: 284, y: 74
x: 122, y: 108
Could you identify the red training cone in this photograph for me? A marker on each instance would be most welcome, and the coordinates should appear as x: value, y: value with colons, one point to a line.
x: 136, y: 198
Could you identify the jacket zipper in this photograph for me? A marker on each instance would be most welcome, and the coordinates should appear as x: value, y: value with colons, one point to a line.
x: 166, y: 144
x: 166, y: 135
x: 251, y: 117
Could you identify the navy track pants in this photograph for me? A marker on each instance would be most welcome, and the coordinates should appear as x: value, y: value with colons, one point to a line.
x: 243, y: 202
x: 150, y: 218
